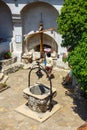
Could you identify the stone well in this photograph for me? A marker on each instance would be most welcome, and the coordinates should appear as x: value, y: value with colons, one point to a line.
x: 39, y: 97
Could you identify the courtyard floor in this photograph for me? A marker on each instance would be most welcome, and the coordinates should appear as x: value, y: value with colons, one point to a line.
x: 71, y: 115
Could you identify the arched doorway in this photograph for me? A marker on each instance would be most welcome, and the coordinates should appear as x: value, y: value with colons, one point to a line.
x: 5, y: 27
x: 5, y: 21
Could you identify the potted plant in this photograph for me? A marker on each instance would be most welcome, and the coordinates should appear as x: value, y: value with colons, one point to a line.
x: 7, y: 55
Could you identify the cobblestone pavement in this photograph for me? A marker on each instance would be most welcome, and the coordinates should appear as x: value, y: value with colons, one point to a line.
x: 64, y: 119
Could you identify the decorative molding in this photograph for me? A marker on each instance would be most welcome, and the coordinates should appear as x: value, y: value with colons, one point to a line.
x: 16, y: 18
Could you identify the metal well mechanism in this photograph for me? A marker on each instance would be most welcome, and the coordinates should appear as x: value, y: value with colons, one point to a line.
x: 39, y: 96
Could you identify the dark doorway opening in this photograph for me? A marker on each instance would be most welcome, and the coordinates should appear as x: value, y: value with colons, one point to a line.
x: 37, y: 48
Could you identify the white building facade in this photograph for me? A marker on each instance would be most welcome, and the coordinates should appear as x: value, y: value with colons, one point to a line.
x: 19, y: 18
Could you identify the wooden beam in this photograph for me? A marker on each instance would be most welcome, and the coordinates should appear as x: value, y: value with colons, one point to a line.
x: 38, y: 32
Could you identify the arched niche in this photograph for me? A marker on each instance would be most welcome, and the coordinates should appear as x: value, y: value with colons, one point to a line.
x: 33, y: 42
x: 5, y: 22
x: 34, y: 13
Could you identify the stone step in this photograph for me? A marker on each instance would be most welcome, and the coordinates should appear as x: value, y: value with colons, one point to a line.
x: 4, y: 79
x: 12, y: 68
x: 7, y: 62
x: 62, y: 65
x: 1, y: 76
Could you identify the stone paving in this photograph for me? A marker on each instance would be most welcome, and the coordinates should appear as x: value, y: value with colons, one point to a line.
x: 64, y: 119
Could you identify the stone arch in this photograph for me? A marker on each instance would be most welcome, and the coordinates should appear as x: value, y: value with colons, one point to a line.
x: 33, y: 42
x: 6, y: 26
x: 31, y: 16
x: 36, y: 12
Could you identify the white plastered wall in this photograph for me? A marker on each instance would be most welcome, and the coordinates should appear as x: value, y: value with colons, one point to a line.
x: 16, y: 8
